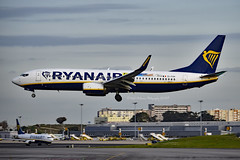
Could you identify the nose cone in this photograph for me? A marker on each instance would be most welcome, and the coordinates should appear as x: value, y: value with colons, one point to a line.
x: 16, y: 81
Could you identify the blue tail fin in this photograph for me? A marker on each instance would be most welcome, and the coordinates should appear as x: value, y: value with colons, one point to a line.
x: 208, y: 60
x: 19, y: 128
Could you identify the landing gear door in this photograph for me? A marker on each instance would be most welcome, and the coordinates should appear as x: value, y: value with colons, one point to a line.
x: 38, y: 76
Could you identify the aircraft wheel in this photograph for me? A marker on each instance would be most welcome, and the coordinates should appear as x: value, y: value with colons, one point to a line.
x: 33, y: 95
x: 118, y: 97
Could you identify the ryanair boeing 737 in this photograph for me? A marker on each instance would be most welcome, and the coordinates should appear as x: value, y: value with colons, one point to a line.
x: 33, y: 138
x: 101, y: 82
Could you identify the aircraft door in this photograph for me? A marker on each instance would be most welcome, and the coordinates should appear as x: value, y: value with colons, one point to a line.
x: 38, y: 76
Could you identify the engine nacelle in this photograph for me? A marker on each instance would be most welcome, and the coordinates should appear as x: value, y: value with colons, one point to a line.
x: 94, y: 89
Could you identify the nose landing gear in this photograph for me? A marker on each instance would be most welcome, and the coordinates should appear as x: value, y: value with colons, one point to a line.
x: 33, y: 95
x: 118, y: 97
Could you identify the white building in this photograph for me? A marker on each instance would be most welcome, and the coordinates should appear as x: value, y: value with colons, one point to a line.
x: 158, y: 110
x: 227, y: 115
x: 108, y: 115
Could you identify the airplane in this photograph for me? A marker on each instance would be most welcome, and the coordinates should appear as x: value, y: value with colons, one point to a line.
x: 33, y: 138
x: 101, y: 82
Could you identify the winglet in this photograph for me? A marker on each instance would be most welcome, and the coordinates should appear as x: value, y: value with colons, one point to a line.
x: 145, y: 63
x: 19, y: 128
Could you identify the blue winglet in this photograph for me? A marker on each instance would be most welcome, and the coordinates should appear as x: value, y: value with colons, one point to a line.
x: 145, y: 63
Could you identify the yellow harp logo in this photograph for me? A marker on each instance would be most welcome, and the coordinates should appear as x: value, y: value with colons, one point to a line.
x: 210, y: 57
x: 18, y: 127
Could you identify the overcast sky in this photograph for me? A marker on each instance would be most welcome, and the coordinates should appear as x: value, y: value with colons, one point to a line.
x: 117, y: 34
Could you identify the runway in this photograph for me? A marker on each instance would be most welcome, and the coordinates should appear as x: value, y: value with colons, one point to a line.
x: 68, y: 144
x: 81, y: 151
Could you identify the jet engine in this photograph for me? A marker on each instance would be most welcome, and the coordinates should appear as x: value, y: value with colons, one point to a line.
x: 94, y: 89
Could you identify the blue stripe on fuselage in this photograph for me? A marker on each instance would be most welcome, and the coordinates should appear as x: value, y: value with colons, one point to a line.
x: 140, y: 87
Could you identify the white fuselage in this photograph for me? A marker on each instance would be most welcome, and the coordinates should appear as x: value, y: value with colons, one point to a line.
x: 73, y: 79
x: 36, y: 137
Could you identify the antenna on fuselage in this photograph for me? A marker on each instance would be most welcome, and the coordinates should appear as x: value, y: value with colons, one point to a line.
x: 152, y: 68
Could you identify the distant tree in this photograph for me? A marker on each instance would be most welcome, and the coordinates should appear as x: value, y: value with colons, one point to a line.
x: 153, y: 119
x: 142, y: 117
x: 75, y: 128
x: 171, y: 116
x: 4, y: 125
x: 60, y: 120
x: 207, y: 117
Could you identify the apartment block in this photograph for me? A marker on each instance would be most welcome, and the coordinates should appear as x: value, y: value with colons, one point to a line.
x: 158, y: 110
x: 108, y: 115
x: 227, y: 115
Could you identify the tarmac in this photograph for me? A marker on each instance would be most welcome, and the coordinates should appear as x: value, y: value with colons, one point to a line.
x: 85, y: 151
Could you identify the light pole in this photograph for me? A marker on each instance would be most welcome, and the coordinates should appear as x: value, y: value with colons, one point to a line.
x: 135, y: 119
x: 200, y: 101
x: 81, y: 118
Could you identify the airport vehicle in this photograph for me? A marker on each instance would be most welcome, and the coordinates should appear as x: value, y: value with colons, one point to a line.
x: 33, y: 138
x: 101, y: 82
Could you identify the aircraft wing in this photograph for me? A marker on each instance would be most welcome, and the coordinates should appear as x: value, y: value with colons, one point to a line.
x: 125, y: 82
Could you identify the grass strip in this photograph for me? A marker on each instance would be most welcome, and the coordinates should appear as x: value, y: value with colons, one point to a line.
x: 216, y: 141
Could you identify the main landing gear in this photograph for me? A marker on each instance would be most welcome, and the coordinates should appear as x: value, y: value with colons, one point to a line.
x: 118, y: 97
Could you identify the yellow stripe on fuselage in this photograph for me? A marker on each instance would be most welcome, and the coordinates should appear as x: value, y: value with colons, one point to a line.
x: 94, y: 89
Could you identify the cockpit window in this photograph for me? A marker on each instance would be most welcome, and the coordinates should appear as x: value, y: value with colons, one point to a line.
x: 24, y: 75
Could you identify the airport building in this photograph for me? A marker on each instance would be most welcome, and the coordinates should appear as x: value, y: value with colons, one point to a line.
x: 171, y: 129
x: 227, y: 115
x: 158, y: 110
x: 8, y: 134
x: 108, y: 115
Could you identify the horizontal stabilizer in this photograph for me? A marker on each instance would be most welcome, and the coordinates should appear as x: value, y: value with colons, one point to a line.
x: 213, y: 74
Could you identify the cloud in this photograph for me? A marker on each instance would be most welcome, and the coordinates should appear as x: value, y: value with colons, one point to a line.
x: 115, y: 20
x: 35, y: 59
x: 13, y: 12
x: 104, y: 40
x: 12, y: 72
x: 115, y: 68
x: 41, y: 40
x: 233, y: 69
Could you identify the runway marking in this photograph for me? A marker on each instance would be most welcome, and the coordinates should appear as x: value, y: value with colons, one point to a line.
x: 114, y: 156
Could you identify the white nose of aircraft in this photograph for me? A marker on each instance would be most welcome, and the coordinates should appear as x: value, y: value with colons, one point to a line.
x: 16, y: 81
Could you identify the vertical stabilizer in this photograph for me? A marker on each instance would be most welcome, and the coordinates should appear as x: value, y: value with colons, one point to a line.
x: 19, y: 128
x: 208, y: 60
